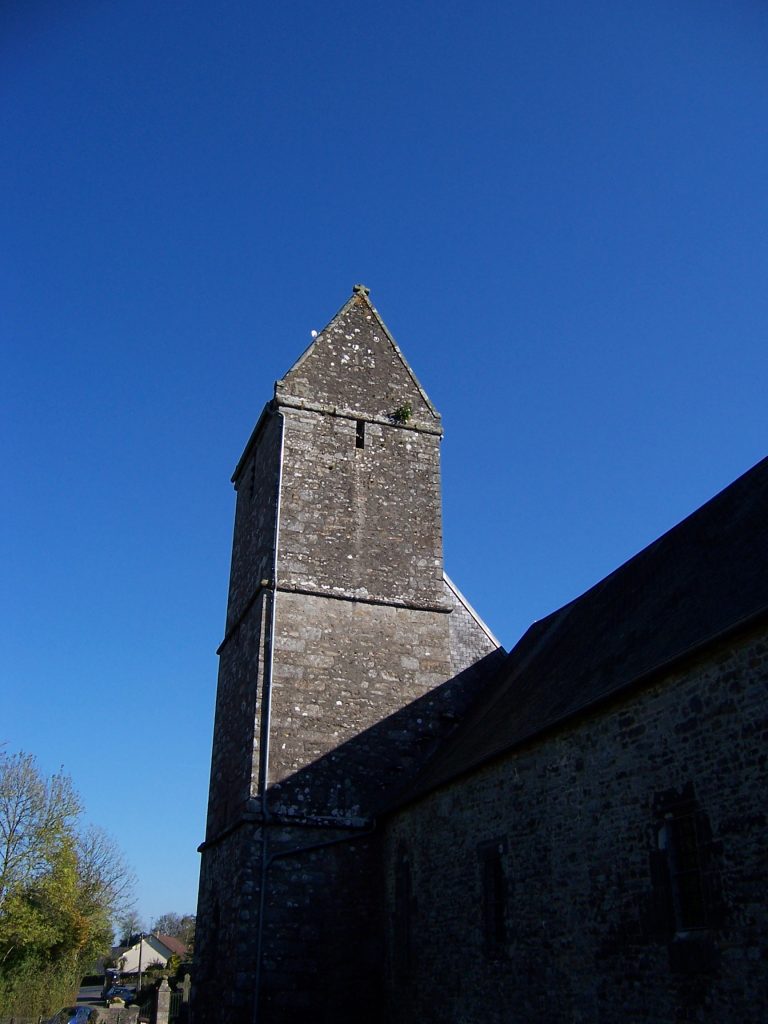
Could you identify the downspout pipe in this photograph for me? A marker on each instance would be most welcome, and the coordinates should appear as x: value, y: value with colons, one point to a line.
x: 266, y: 719
x: 269, y: 662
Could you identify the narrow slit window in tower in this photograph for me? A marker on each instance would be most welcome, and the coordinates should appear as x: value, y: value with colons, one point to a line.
x: 360, y: 435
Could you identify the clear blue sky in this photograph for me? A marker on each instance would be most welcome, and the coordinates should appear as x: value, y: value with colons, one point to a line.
x: 561, y: 210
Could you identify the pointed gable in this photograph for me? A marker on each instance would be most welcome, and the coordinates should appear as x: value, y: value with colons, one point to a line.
x: 355, y: 366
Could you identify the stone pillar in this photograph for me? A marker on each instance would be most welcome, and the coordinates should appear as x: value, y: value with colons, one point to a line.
x: 163, y: 1003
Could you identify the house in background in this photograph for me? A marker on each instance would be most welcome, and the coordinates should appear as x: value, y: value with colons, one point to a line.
x: 150, y: 951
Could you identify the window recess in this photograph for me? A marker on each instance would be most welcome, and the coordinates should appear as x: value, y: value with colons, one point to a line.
x: 491, y: 856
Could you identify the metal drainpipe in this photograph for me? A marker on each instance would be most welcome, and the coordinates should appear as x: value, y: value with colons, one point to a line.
x: 266, y: 715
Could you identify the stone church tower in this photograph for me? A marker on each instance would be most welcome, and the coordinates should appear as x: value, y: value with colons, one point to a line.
x: 348, y: 655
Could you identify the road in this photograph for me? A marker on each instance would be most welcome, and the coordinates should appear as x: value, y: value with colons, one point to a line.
x: 89, y: 994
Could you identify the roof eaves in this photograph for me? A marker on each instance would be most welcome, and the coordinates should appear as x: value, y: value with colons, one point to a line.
x: 414, y: 793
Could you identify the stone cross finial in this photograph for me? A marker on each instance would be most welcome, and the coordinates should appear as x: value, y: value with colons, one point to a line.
x: 360, y: 289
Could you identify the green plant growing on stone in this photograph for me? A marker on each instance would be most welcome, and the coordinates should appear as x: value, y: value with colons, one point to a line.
x: 403, y: 413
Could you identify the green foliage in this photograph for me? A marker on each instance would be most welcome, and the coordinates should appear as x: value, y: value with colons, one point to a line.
x: 59, y: 890
x: 38, y: 987
x: 403, y: 413
x: 35, y: 815
x: 173, y: 965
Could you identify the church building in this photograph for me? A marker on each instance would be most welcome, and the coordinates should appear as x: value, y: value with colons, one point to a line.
x: 407, y: 824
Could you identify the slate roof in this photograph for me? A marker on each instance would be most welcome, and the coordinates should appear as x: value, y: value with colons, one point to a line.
x: 699, y: 581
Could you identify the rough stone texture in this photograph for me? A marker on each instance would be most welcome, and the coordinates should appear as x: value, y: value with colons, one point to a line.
x: 362, y: 522
x: 590, y: 933
x: 470, y: 639
x: 354, y: 367
x: 254, y: 533
x: 163, y: 1005
x: 342, y: 670
x: 362, y: 694
x: 543, y: 886
x: 224, y: 971
x: 242, y: 651
x: 117, y: 1014
x: 322, y: 950
x: 373, y: 665
x: 234, y: 759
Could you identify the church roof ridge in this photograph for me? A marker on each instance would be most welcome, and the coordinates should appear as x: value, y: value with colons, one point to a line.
x: 695, y: 585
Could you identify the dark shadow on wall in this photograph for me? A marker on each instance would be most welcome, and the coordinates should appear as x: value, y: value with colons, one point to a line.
x: 321, y: 946
x: 361, y: 776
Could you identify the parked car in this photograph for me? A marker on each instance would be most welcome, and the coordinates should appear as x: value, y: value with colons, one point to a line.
x: 73, y: 1015
x: 111, y: 977
x: 127, y: 995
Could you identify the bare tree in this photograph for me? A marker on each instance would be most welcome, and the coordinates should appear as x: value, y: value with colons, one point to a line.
x: 105, y: 879
x: 129, y: 924
x: 167, y: 924
x: 179, y: 926
x: 37, y: 815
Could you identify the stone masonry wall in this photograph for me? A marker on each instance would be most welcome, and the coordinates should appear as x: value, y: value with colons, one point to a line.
x: 235, y: 747
x: 368, y: 678
x: 362, y: 696
x: 254, y: 532
x: 320, y: 945
x: 225, y: 947
x: 354, y: 366
x: 346, y: 675
x: 228, y: 872
x: 470, y: 642
x: 235, y: 754
x: 588, y: 932
x: 362, y: 522
x: 322, y: 937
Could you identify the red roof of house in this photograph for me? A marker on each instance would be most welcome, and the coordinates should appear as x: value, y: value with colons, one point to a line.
x: 175, y: 945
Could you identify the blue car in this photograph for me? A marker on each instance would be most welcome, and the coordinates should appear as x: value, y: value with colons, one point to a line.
x: 73, y: 1015
x: 120, y: 992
